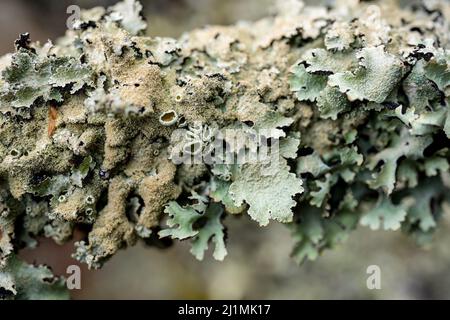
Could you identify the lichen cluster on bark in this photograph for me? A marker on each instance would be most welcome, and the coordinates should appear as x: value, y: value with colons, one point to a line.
x: 357, y: 95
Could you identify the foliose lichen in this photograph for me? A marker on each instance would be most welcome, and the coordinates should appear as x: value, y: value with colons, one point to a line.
x: 356, y: 95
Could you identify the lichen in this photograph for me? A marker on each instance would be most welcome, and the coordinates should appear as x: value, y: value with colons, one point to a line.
x: 97, y: 130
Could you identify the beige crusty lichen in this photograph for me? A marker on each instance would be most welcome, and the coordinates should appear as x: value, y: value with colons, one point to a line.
x: 356, y: 97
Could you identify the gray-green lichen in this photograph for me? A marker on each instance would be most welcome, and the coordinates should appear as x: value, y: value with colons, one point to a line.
x: 19, y: 280
x: 357, y: 96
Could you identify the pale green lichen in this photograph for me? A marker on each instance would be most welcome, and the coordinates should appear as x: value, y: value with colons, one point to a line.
x: 19, y: 280
x: 31, y: 77
x: 356, y: 99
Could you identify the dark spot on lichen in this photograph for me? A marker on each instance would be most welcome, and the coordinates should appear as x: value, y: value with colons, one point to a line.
x: 24, y: 42
x: 104, y: 174
x: 87, y: 25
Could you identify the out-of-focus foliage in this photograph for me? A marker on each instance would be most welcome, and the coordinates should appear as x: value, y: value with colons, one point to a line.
x: 19, y: 280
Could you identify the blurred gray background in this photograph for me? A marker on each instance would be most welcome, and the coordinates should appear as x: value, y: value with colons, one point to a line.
x: 258, y: 265
x: 46, y: 19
